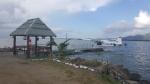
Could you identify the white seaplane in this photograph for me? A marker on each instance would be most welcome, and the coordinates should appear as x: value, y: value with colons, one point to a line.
x: 109, y: 42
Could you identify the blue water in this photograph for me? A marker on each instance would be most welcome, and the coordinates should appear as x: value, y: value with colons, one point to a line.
x: 135, y: 56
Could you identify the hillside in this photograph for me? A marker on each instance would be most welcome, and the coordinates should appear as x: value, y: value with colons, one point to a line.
x: 145, y: 37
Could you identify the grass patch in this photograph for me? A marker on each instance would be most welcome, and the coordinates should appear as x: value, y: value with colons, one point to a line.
x: 109, y: 79
x: 90, y: 63
x: 78, y: 75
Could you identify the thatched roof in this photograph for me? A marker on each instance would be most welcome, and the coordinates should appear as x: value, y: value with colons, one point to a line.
x: 33, y: 27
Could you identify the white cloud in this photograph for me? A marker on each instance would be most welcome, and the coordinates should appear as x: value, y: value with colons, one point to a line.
x: 123, y: 28
x: 86, y: 5
x: 117, y: 29
x: 61, y: 33
x: 15, y: 12
x: 140, y: 25
x: 142, y: 20
x: 10, y: 13
x: 35, y: 7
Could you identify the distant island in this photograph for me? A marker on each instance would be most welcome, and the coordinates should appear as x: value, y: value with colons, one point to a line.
x: 145, y: 37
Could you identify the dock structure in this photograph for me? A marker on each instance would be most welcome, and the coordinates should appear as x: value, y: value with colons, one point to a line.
x: 32, y: 28
x: 92, y: 50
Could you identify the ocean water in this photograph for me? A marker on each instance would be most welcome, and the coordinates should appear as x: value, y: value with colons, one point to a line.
x: 135, y: 56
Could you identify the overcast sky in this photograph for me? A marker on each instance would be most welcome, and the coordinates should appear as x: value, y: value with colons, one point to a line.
x: 78, y: 18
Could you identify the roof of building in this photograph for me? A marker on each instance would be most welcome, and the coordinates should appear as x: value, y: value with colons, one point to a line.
x: 33, y: 27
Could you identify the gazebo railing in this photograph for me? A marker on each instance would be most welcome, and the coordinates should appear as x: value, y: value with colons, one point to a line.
x: 42, y: 51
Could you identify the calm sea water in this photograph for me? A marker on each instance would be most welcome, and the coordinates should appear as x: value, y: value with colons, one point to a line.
x: 135, y: 56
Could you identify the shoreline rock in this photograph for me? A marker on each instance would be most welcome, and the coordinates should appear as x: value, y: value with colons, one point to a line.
x: 118, y: 72
x: 131, y: 78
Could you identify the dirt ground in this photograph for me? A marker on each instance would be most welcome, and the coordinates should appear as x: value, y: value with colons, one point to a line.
x: 14, y: 70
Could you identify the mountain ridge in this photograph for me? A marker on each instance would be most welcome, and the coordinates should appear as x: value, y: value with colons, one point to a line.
x: 145, y: 37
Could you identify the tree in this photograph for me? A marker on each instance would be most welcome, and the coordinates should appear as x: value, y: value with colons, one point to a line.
x: 62, y: 49
x: 52, y: 42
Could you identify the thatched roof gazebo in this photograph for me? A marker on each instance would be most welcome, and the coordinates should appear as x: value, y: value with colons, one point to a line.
x: 32, y: 28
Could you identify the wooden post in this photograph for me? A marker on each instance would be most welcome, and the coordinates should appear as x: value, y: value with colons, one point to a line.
x: 51, y: 53
x: 28, y: 47
x: 36, y: 39
x: 14, y: 45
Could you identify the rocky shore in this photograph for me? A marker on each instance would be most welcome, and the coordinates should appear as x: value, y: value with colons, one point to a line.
x: 118, y: 72
x: 125, y: 76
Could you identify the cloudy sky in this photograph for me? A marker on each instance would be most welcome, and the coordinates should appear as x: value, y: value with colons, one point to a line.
x: 78, y: 18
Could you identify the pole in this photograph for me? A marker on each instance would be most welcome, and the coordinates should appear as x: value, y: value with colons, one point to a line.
x: 28, y: 47
x: 66, y: 36
x: 14, y: 45
x: 36, y: 39
x: 51, y: 53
